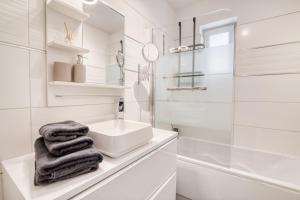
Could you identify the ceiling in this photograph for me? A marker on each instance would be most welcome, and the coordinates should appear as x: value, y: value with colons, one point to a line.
x: 177, y: 4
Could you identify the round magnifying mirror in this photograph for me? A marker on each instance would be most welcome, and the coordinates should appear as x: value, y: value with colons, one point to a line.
x: 150, y: 52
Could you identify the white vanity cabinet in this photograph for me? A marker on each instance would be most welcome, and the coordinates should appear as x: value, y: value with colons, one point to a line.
x: 149, y: 172
x: 140, y: 180
x: 167, y: 191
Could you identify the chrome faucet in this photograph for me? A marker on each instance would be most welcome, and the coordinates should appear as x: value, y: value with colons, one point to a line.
x: 120, y: 108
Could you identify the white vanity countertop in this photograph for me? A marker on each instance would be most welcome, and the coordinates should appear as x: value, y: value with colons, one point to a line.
x: 21, y: 171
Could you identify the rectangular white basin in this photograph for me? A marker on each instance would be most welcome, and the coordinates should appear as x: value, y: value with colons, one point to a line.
x: 115, y: 138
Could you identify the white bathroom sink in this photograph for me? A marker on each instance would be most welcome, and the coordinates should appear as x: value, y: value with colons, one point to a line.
x: 117, y: 137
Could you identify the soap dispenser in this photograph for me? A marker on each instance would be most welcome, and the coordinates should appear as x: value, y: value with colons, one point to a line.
x: 79, y: 73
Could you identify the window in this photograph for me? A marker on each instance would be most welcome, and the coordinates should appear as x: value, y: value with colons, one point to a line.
x: 219, y: 39
x: 218, y: 36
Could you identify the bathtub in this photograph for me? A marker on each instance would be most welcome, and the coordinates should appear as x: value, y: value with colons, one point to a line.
x: 213, y: 171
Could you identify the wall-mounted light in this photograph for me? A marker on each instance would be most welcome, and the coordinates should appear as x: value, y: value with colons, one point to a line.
x: 89, y: 2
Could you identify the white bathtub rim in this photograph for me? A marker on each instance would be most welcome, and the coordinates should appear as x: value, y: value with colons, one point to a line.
x: 242, y: 148
x: 240, y: 173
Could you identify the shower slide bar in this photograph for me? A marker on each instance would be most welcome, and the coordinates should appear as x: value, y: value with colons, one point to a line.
x: 187, y: 88
x: 194, y: 48
x: 179, y: 55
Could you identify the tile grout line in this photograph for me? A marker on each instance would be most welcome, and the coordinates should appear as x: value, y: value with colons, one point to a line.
x: 274, y: 129
x: 266, y: 101
x: 251, y: 75
x: 30, y: 98
x: 233, y: 92
x: 30, y: 92
x: 184, y: 101
x: 22, y: 47
x: 268, y: 18
x: 228, y: 102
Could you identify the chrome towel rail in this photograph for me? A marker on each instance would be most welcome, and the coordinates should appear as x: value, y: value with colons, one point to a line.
x: 183, y: 75
x: 187, y: 88
x: 182, y: 49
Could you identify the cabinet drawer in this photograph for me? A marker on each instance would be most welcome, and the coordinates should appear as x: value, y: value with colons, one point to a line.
x: 167, y: 191
x: 138, y: 180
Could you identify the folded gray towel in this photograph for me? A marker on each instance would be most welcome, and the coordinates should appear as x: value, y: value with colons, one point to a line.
x: 63, y: 131
x: 63, y: 148
x: 51, y: 169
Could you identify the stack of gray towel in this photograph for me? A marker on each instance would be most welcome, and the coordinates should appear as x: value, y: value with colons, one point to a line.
x: 64, y: 151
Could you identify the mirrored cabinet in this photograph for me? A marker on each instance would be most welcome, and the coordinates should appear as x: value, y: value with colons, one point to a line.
x: 85, y: 52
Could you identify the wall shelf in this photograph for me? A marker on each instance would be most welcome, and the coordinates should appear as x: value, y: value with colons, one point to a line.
x: 68, y: 10
x: 65, y: 47
x: 185, y: 75
x: 91, y: 85
x: 189, y: 48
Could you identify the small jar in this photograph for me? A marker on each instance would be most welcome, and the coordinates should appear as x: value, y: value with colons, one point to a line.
x: 62, y: 71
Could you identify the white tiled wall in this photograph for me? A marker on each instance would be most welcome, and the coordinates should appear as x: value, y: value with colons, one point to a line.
x: 267, y: 107
x: 14, y: 21
x: 278, y: 88
x: 267, y: 103
x: 285, y: 142
x: 14, y: 81
x: 38, y: 78
x: 138, y: 93
x: 14, y: 72
x: 37, y: 23
x: 23, y: 106
x: 132, y: 111
x: 15, y: 138
x: 261, y: 51
x: 262, y: 33
x: 269, y: 60
x: 140, y: 18
x: 274, y: 115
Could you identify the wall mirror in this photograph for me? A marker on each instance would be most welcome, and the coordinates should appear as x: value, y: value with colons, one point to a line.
x: 103, y: 35
x: 85, y: 51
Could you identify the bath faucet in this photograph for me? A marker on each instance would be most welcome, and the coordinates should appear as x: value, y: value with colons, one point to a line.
x: 175, y: 129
